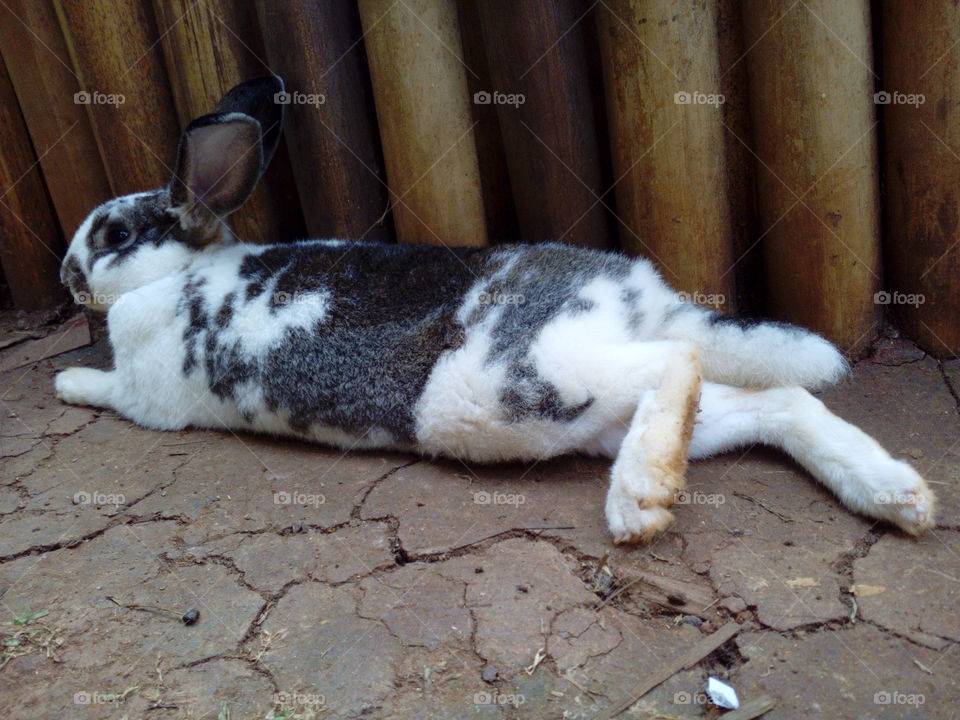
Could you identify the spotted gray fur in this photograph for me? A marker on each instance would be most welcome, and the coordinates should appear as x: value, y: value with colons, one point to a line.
x: 392, y: 312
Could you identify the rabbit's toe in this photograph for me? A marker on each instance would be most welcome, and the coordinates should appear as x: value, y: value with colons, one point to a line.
x: 633, y: 519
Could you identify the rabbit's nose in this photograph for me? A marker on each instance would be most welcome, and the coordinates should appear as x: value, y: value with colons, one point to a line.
x: 72, y: 276
x: 69, y: 269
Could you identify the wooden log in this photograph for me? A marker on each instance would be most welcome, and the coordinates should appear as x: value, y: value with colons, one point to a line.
x: 335, y: 149
x: 922, y: 161
x: 811, y: 96
x: 114, y: 51
x: 40, y: 68
x: 210, y: 47
x: 535, y: 50
x: 498, y: 205
x: 423, y: 107
x: 668, y: 143
x: 30, y: 240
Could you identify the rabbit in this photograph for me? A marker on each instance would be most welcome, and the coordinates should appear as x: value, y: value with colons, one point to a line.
x: 514, y: 352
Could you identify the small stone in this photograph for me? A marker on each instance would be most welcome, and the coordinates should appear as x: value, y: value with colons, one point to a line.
x: 707, y: 628
x: 677, y: 598
x: 692, y: 620
x: 744, y: 617
x: 734, y: 604
x: 489, y: 674
x: 701, y: 568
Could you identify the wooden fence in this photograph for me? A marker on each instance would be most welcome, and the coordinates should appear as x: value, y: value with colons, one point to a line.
x: 794, y: 159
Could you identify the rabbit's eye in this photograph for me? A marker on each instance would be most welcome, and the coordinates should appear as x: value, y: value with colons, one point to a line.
x: 117, y: 235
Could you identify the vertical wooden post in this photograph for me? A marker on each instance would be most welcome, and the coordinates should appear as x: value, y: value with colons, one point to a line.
x: 423, y: 106
x: 668, y: 142
x: 114, y: 51
x: 739, y: 160
x: 40, y: 69
x: 535, y: 49
x: 210, y: 47
x: 498, y: 205
x: 335, y: 150
x: 811, y: 87
x: 30, y: 242
x: 921, y: 84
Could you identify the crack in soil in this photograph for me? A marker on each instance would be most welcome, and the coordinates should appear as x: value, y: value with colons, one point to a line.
x: 954, y: 393
x: 843, y: 566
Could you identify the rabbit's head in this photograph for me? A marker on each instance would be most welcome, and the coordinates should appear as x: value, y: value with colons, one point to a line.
x: 135, y: 239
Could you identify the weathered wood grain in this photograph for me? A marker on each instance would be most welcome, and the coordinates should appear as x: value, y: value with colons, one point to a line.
x: 423, y: 108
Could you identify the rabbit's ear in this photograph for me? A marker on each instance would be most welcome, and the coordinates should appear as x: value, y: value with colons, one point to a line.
x: 262, y: 99
x: 219, y: 161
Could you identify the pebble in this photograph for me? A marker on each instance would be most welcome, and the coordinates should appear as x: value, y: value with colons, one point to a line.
x: 489, y: 674
x: 733, y: 604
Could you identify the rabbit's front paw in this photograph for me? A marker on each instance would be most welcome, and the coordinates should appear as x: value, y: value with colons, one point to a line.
x: 84, y: 386
x: 632, y: 518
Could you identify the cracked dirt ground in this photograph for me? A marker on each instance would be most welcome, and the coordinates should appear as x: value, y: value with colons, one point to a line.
x: 377, y: 585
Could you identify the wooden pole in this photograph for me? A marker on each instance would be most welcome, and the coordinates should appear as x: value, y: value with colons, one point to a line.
x: 498, y: 205
x: 210, y: 47
x: 114, y: 51
x: 40, y: 68
x: 811, y: 95
x: 740, y: 174
x: 535, y: 49
x: 30, y: 241
x: 668, y: 143
x: 921, y: 79
x: 334, y: 147
x: 423, y: 106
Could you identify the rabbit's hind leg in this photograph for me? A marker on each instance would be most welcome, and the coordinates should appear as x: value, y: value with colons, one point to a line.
x: 86, y: 386
x: 844, y: 458
x: 650, y: 466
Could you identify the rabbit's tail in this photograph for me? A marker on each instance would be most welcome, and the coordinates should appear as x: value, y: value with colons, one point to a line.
x: 756, y: 353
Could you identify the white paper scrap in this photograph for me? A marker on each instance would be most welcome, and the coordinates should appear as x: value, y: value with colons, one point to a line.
x: 722, y: 694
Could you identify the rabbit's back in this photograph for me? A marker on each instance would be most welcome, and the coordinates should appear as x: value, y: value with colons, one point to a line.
x: 324, y: 337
